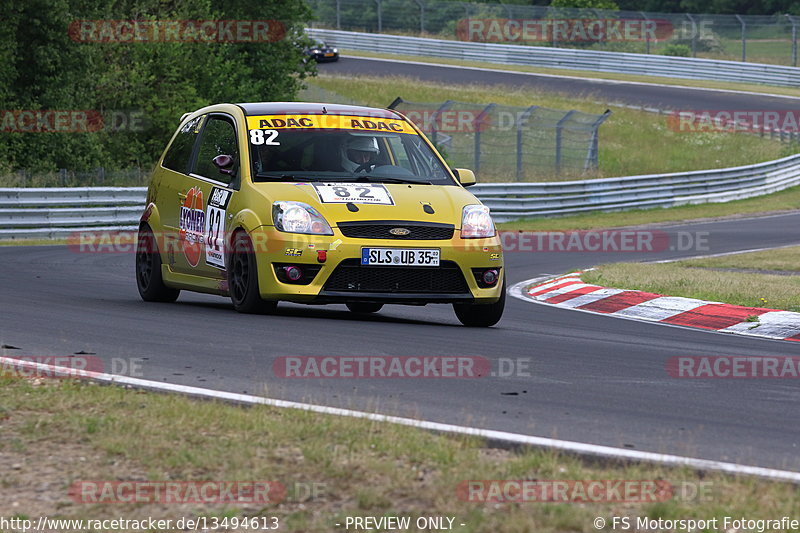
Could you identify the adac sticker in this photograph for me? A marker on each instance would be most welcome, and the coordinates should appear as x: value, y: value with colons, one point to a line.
x: 316, y: 122
x: 192, y: 225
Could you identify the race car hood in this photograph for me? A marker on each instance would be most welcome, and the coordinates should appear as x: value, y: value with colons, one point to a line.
x: 409, y: 202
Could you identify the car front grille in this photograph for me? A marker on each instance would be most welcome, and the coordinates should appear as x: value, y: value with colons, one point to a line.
x: 381, y: 229
x: 352, y: 276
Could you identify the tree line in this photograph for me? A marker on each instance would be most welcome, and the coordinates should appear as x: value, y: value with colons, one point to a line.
x: 716, y: 7
x: 82, y: 85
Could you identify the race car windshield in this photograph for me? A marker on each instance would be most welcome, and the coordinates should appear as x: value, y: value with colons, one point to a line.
x: 344, y: 155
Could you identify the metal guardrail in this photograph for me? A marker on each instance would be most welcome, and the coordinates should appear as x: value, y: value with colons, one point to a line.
x: 48, y: 213
x: 759, y: 38
x: 591, y: 60
x: 510, y: 201
x: 58, y: 213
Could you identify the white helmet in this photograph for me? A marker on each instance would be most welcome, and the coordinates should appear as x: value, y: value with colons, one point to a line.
x: 357, y: 151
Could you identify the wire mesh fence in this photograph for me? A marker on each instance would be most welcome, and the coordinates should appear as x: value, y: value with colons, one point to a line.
x: 508, y: 143
x: 754, y: 38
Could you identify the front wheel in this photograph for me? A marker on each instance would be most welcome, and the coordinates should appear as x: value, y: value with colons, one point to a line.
x: 482, y: 316
x: 243, y: 278
x: 364, y: 307
x: 148, y: 270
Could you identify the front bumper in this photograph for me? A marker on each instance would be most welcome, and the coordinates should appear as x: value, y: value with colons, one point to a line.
x: 454, y: 281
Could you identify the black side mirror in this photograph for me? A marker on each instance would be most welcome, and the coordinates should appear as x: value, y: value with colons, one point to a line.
x: 224, y: 163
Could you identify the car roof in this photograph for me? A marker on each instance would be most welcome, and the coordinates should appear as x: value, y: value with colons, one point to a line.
x: 309, y: 108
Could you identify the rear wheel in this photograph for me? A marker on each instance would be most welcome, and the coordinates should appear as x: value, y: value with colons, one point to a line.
x: 148, y: 270
x: 243, y: 278
x: 364, y: 307
x: 482, y: 315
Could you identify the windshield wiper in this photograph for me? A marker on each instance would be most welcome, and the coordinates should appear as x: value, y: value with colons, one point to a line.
x: 388, y: 180
x: 283, y: 177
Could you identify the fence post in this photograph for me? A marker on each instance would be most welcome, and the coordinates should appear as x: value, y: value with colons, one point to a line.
x: 421, y: 16
x: 62, y: 172
x: 593, y: 155
x: 744, y: 37
x: 508, y: 9
x: 338, y: 15
x: 599, y: 16
x: 435, y: 117
x: 559, y: 127
x: 380, y: 16
x: 647, y: 33
x: 477, y: 124
x: 694, y: 34
x: 522, y: 119
x: 794, y: 39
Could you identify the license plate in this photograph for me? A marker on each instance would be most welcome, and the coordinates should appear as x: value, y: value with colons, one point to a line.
x: 328, y: 55
x: 400, y: 256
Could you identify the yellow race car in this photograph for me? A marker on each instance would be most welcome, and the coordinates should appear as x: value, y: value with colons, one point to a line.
x: 318, y: 204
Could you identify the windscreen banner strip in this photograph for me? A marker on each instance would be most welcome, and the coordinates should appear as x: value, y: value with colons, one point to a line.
x: 339, y: 122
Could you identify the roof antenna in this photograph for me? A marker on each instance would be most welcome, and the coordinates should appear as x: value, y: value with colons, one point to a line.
x: 324, y: 111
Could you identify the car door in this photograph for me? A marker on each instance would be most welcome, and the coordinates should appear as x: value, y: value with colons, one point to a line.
x: 205, y: 198
x: 172, y: 178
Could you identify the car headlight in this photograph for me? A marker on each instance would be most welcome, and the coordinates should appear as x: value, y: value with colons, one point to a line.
x: 314, y: 51
x: 297, y: 217
x: 335, y: 50
x: 476, y: 222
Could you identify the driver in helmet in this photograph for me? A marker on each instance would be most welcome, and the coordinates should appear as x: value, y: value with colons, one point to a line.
x: 359, y: 153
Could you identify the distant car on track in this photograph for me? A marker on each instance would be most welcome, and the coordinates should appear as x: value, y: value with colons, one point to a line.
x: 322, y: 52
x: 317, y: 204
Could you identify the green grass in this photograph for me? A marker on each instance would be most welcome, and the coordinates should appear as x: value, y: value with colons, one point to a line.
x: 87, y: 432
x: 661, y: 80
x: 32, y: 242
x: 701, y: 279
x: 627, y: 138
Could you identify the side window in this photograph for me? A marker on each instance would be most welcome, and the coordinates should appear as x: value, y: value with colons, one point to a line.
x: 400, y: 155
x: 179, y: 152
x: 218, y: 137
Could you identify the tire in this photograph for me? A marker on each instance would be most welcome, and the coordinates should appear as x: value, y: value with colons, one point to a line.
x: 148, y: 270
x: 481, y: 315
x: 364, y: 307
x: 243, y: 278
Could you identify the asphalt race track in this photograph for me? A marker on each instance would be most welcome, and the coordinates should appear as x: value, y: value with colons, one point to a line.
x: 638, y: 94
x: 592, y: 378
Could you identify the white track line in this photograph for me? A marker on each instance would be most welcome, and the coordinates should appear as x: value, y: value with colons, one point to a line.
x: 513, y: 438
x: 723, y: 254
